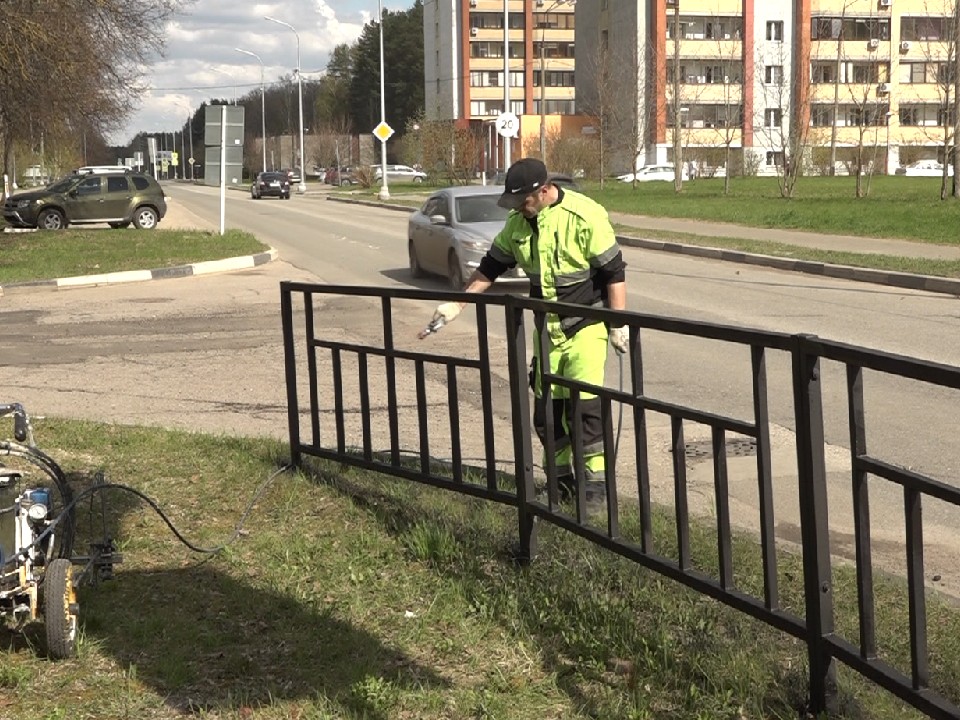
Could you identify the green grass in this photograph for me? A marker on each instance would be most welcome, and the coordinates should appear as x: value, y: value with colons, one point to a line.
x: 45, y: 255
x: 352, y: 596
x: 897, y: 207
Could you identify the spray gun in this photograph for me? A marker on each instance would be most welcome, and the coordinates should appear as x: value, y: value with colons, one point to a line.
x: 434, y: 326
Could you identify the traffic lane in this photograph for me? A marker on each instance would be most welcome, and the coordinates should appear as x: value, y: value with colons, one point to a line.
x: 339, y: 243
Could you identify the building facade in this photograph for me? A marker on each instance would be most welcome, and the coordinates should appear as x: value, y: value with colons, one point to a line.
x: 481, y: 53
x: 841, y: 84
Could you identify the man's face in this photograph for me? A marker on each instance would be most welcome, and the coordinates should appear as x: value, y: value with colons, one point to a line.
x: 534, y: 202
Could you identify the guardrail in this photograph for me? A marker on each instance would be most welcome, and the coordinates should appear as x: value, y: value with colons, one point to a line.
x: 311, y: 345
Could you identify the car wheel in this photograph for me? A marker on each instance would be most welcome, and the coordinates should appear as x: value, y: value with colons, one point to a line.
x: 417, y: 180
x: 51, y: 219
x: 344, y: 183
x: 253, y: 195
x: 145, y: 218
x: 119, y: 225
x: 454, y: 272
x: 416, y: 270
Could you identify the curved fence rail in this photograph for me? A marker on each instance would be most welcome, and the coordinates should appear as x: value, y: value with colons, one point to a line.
x: 454, y: 403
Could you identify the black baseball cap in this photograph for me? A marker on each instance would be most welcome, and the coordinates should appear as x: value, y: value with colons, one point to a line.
x: 524, y: 177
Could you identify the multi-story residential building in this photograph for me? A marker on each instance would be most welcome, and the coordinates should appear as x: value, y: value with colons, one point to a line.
x: 468, y: 80
x: 848, y: 82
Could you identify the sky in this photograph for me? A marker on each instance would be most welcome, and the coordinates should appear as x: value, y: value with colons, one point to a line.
x: 200, y: 60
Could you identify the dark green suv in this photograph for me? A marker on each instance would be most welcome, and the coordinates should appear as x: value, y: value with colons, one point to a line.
x: 117, y: 198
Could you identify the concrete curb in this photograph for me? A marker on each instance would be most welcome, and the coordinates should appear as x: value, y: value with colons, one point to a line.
x: 243, y: 262
x: 372, y: 203
x: 928, y: 283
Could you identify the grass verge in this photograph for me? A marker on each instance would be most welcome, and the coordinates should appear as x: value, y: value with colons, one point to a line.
x: 912, y: 265
x: 352, y: 595
x: 67, y: 253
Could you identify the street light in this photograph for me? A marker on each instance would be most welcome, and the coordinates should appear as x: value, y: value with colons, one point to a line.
x: 543, y: 74
x: 302, y: 188
x: 263, y: 107
x: 384, y: 190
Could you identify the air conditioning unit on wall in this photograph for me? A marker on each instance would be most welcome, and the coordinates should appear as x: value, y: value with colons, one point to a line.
x: 886, y: 3
x: 473, y: 32
x: 473, y: 3
x: 873, y: 44
x: 904, y: 46
x: 883, y: 89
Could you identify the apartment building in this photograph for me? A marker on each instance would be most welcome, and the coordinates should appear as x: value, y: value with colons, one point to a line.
x: 746, y: 78
x: 468, y: 79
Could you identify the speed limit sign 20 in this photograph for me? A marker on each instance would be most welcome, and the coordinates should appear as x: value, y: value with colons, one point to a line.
x: 508, y: 125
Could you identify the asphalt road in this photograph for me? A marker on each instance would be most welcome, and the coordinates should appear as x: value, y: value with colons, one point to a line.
x: 205, y: 354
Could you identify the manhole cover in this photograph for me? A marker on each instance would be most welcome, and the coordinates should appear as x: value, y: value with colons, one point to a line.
x: 736, y: 447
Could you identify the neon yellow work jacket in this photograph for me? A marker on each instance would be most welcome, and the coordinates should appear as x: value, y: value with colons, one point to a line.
x: 574, y: 239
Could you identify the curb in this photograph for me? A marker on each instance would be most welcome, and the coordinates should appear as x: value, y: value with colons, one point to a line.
x: 928, y: 283
x: 243, y: 262
x: 372, y: 203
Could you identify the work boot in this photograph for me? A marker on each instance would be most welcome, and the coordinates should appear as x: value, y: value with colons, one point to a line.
x: 566, y: 487
x: 596, y: 497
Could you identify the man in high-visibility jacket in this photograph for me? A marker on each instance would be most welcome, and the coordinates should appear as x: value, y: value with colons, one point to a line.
x: 565, y: 244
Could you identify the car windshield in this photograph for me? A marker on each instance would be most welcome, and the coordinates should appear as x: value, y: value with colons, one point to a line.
x: 272, y: 176
x: 64, y: 184
x: 480, y: 208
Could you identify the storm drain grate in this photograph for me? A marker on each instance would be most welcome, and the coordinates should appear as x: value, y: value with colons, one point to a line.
x: 736, y: 447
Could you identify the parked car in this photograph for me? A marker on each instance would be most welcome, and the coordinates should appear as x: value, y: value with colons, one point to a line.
x: 293, y: 174
x: 453, y: 230
x: 924, y: 168
x: 652, y: 172
x: 341, y: 176
x: 117, y: 198
x: 270, y: 184
x: 400, y: 173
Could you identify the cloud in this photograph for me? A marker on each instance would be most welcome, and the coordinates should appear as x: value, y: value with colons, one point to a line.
x: 200, y: 60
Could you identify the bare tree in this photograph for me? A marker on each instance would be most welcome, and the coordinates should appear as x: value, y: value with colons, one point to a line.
x: 784, y: 121
x: 74, y: 64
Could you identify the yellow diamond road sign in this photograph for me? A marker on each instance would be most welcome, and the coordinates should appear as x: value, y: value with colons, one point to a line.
x: 383, y: 132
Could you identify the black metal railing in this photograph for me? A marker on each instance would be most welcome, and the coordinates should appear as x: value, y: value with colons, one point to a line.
x: 305, y: 341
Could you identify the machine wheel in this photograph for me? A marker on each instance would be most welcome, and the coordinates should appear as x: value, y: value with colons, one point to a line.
x: 417, y: 180
x: 60, y: 609
x: 415, y: 268
x: 145, y: 218
x: 454, y: 272
x: 119, y: 225
x: 344, y: 183
x: 51, y: 219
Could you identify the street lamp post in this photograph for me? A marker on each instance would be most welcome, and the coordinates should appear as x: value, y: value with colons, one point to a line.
x: 543, y: 75
x: 263, y: 107
x: 302, y: 188
x: 506, y: 78
x: 384, y: 190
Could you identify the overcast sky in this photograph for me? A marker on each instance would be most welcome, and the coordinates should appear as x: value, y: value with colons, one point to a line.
x: 200, y: 61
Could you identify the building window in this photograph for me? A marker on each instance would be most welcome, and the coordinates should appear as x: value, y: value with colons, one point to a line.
x: 773, y: 74
x: 555, y: 107
x: 847, y: 28
x: 553, y: 21
x: 555, y: 78
x: 774, y: 158
x: 824, y: 73
x: 909, y: 115
x: 772, y: 117
x: 925, y: 28
x: 821, y: 116
x: 775, y: 30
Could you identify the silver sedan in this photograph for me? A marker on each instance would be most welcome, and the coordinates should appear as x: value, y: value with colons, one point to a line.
x: 453, y: 230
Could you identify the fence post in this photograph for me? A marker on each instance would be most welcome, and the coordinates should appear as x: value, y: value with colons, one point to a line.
x: 814, y: 528
x: 522, y: 450
x: 290, y: 371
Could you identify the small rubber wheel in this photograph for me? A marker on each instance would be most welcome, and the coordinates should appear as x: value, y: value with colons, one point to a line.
x: 415, y: 268
x: 60, y: 609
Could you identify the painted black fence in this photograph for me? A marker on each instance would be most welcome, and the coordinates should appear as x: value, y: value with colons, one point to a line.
x: 304, y: 345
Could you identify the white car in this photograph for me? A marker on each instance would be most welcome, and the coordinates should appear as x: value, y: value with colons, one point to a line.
x: 924, y: 168
x: 400, y: 173
x: 651, y: 172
